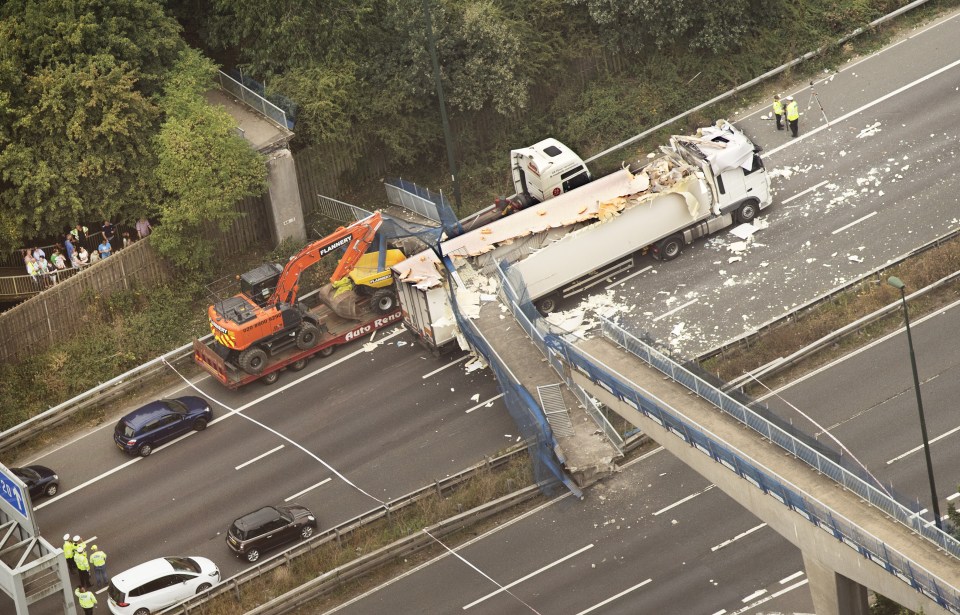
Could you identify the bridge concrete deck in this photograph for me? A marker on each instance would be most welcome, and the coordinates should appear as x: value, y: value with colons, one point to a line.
x: 815, y: 542
x: 588, y: 456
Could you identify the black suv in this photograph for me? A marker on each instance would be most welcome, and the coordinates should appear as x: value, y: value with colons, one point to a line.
x: 269, y: 527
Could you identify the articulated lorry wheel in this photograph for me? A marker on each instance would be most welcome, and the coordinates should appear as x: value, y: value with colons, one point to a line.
x: 307, y: 336
x: 670, y: 247
x: 546, y: 305
x: 384, y: 301
x: 747, y: 212
x: 252, y: 360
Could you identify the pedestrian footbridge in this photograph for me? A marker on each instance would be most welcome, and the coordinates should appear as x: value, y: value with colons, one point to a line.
x: 852, y: 534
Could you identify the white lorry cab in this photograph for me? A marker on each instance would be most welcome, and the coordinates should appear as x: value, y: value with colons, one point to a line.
x: 545, y: 170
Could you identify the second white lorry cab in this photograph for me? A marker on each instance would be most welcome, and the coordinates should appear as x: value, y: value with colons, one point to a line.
x: 545, y: 170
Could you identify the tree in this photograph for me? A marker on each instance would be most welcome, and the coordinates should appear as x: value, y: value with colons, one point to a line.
x: 648, y: 25
x: 360, y: 70
x: 76, y: 87
x: 204, y: 166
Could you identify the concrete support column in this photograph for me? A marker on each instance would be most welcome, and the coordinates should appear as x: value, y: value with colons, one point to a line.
x: 284, y: 192
x: 833, y: 593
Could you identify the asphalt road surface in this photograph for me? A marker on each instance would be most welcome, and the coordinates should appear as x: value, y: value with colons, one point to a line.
x: 866, y: 401
x: 341, y: 437
x: 655, y: 538
x: 879, y: 181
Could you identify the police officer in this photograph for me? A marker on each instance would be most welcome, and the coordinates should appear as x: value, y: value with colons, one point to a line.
x: 86, y: 598
x: 778, y: 111
x: 83, y: 565
x: 793, y: 115
x: 68, y: 548
x: 99, y: 561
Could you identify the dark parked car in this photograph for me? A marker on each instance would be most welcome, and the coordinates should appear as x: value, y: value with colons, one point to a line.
x: 269, y: 527
x: 40, y: 480
x: 160, y: 421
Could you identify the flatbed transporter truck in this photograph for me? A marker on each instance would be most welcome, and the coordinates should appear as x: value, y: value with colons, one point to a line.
x: 267, y: 327
x: 578, y: 239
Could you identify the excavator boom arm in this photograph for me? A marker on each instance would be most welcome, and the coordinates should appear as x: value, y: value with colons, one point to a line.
x: 357, y: 238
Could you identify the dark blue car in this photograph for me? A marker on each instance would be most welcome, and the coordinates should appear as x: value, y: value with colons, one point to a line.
x: 160, y: 421
x: 40, y: 480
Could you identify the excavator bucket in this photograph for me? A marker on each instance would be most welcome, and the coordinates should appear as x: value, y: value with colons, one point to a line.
x: 343, y: 302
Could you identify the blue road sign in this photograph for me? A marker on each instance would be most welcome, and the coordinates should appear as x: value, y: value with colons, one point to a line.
x: 13, y: 494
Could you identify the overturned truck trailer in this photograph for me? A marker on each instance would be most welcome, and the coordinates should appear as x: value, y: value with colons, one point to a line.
x: 571, y: 243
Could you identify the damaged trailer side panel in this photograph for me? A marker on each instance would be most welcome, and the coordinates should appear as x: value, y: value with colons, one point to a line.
x: 589, y: 249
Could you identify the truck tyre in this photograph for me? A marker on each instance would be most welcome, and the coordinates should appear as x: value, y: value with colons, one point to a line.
x: 271, y: 378
x: 384, y: 301
x: 307, y: 336
x: 252, y: 360
x: 670, y: 248
x: 296, y: 366
x: 326, y: 352
x: 747, y: 212
x: 547, y: 304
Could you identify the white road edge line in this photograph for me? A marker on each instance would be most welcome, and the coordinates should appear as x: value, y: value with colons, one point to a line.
x: 854, y: 223
x: 876, y: 54
x: 505, y: 525
x: 230, y: 412
x: 299, y: 493
x: 920, y: 448
x: 529, y: 576
x: 674, y: 310
x: 953, y: 497
x: 793, y: 576
x: 258, y: 457
x: 863, y: 108
x: 800, y: 194
x: 686, y: 499
x: 738, y: 537
x: 484, y: 403
x: 612, y: 598
x: 450, y: 364
x: 634, y: 274
x: 856, y: 352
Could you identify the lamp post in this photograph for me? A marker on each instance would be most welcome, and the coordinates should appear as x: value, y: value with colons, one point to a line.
x: 899, y: 285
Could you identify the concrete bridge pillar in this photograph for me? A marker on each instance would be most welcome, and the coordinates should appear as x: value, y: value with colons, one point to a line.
x: 286, y: 209
x: 833, y: 593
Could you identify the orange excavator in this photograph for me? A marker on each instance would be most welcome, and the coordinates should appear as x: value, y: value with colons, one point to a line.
x: 267, y: 317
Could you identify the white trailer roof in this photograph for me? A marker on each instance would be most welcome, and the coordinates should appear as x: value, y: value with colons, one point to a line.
x: 601, y: 199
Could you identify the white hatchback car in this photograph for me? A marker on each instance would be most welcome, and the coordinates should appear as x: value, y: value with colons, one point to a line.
x: 159, y: 583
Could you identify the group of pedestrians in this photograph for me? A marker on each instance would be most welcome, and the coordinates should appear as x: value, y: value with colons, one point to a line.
x: 788, y: 110
x: 81, y: 562
x: 72, y: 254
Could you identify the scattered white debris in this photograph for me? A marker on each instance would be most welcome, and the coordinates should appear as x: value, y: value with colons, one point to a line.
x: 744, y: 231
x: 475, y: 397
x: 734, y: 259
x: 678, y: 329
x: 855, y: 258
x: 869, y: 131
x: 401, y: 343
x: 738, y: 246
x: 477, y: 362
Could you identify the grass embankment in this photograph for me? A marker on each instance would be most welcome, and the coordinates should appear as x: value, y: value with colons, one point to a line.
x: 484, y: 487
x: 845, y: 308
